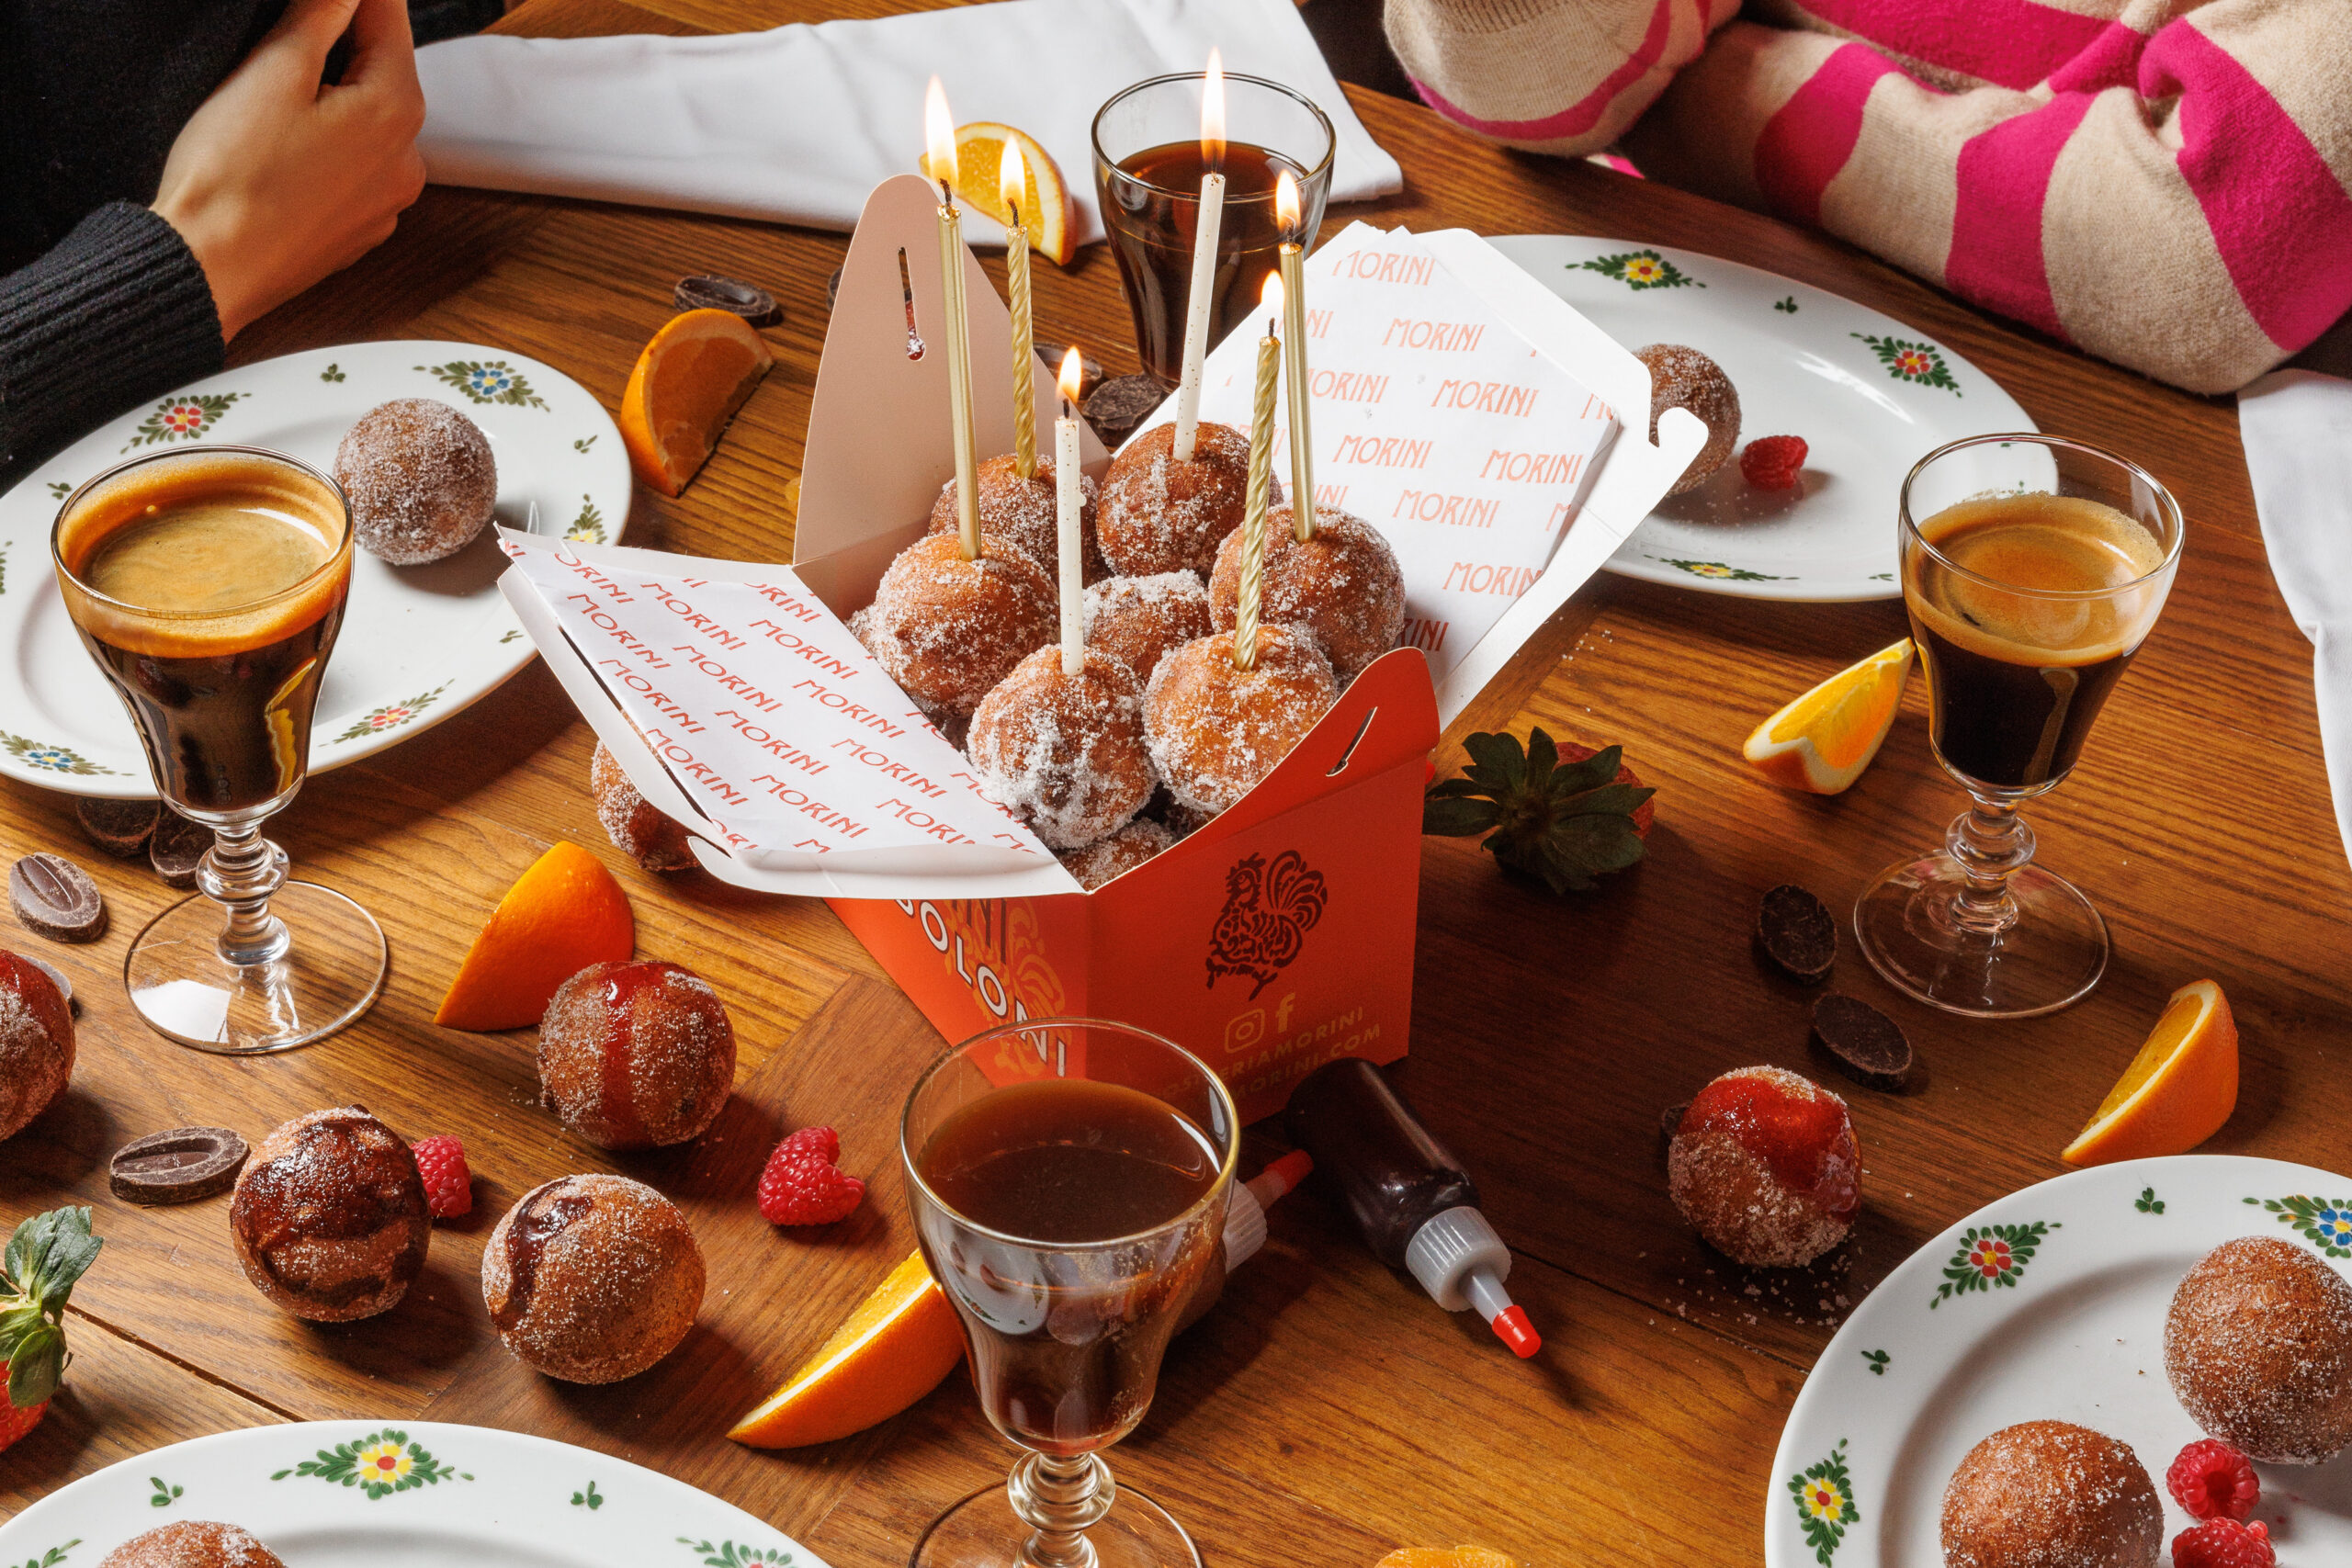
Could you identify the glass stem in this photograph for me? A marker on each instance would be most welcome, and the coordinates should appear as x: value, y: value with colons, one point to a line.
x: 1992, y: 843
x: 1059, y: 1499
x: 239, y: 873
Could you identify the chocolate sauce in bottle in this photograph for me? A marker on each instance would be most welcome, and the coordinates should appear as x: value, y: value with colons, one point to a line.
x: 1411, y: 1201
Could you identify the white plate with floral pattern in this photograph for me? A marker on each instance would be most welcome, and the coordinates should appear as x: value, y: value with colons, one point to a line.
x: 402, y: 1495
x: 1869, y: 396
x: 418, y: 643
x: 2048, y: 1304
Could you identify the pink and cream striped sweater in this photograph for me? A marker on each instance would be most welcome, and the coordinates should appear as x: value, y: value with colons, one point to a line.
x: 2161, y: 181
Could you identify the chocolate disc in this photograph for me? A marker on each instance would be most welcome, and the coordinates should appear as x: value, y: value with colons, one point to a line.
x: 176, y: 847
x: 178, y: 1167
x: 1090, y: 371
x: 1120, y: 405
x: 56, y: 898
x: 1797, y: 932
x: 706, y: 291
x: 1869, y: 1047
x: 121, y: 828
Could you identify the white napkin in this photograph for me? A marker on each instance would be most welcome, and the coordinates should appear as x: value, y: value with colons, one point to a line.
x: 798, y: 124
x: 2296, y: 426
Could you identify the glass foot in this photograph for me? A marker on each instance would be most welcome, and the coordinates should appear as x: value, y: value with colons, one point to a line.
x: 327, y: 976
x: 982, y: 1531
x: 2051, y: 955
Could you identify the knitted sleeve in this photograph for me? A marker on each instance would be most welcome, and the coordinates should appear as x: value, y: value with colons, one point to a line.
x: 2178, y: 201
x: 1562, y: 76
x: 116, y: 312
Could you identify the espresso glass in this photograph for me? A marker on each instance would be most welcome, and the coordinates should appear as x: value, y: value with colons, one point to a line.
x: 223, y: 697
x: 1148, y: 167
x: 2017, y: 671
x: 1066, y: 1331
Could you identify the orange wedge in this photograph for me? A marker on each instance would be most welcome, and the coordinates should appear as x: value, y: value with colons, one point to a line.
x: 1822, y: 741
x: 686, y: 385
x: 1045, y: 204
x: 561, y: 916
x: 891, y: 1351
x: 1446, y: 1557
x: 2178, y: 1090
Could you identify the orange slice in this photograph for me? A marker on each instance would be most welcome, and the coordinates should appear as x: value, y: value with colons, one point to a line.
x: 686, y: 385
x: 561, y: 916
x: 1446, y: 1557
x: 1044, y: 205
x: 891, y: 1351
x: 2178, y: 1090
x: 1822, y: 741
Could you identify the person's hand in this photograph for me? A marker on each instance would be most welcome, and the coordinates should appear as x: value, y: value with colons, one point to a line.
x: 276, y: 181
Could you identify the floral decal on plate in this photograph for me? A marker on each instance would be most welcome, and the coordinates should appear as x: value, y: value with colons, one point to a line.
x: 378, y: 1464
x: 591, y: 1499
x: 333, y: 373
x: 53, y: 759
x: 1824, y: 1497
x: 583, y: 444
x: 2147, y: 1203
x: 487, y: 382
x: 392, y: 716
x: 1720, y: 571
x: 1991, y: 1256
x: 1787, y: 307
x: 182, y: 419
x: 58, y: 489
x: 728, y: 1554
x: 588, y: 529
x: 1877, y: 1359
x: 1907, y: 361
x: 53, y: 1556
x: 166, y: 1496
x: 2326, y: 1225
x: 1640, y: 269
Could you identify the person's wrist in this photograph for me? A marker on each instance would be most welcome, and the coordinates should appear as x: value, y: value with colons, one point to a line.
x: 212, y: 260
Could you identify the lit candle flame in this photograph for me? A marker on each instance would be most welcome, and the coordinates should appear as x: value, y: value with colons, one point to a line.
x: 1213, y: 113
x: 939, y: 131
x: 1288, y: 210
x: 1073, y: 378
x: 1273, y: 298
x: 1013, y: 181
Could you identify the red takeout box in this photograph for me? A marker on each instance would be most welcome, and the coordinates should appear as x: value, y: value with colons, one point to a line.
x: 1270, y: 940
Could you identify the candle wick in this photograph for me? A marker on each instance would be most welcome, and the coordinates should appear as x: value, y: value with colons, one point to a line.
x: 946, y: 196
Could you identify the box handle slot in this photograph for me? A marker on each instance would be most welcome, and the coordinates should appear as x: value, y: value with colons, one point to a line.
x: 906, y: 286
x: 1361, y: 730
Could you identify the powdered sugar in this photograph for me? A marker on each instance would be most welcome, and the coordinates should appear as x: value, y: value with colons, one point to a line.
x: 1106, y: 860
x: 421, y: 478
x: 1137, y: 620
x: 605, y: 1273
x: 2258, y: 1348
x: 2049, y: 1494
x: 1216, y: 730
x: 1343, y: 586
x: 1024, y: 514
x: 1065, y: 755
x: 947, y: 629
x: 1158, y: 514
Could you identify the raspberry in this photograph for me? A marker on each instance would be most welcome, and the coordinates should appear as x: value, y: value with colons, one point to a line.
x: 803, y: 1185
x: 2223, y: 1543
x: 448, y: 1185
x: 2213, y: 1481
x: 1773, y: 462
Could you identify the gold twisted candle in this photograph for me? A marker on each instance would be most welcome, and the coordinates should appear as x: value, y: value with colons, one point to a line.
x: 1012, y: 185
x: 1261, y: 455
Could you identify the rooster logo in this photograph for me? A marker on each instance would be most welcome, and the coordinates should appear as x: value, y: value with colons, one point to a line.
x: 1268, y: 911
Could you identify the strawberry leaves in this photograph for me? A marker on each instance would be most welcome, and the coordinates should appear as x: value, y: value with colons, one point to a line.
x: 44, y: 1258
x: 1562, y: 821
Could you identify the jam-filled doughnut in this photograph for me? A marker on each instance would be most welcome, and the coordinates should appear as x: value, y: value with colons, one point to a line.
x: 329, y: 1217
x: 592, y: 1278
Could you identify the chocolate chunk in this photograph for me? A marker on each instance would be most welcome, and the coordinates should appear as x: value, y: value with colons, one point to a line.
x: 1090, y: 371
x: 121, y: 828
x: 1120, y: 405
x: 706, y: 291
x: 1869, y: 1047
x: 177, y: 846
x: 1797, y: 932
x: 55, y: 898
x: 56, y: 977
x: 178, y: 1167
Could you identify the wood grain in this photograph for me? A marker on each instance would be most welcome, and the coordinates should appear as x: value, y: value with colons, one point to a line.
x: 1325, y: 1412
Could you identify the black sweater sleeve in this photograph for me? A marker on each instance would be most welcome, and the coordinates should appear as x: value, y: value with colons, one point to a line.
x: 116, y: 312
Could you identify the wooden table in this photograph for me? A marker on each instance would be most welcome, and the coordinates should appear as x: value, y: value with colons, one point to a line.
x: 1326, y: 1413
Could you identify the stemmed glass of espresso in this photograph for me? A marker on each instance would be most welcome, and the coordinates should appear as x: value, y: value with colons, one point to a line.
x: 208, y: 584
x: 1069, y: 1180
x: 2033, y: 567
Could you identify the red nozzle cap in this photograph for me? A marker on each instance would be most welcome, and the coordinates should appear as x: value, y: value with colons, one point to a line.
x: 1512, y: 1328
x: 1291, y: 1168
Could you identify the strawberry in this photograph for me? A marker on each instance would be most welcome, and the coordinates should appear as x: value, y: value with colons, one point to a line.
x: 1562, y: 814
x: 44, y: 1258
x: 449, y: 1184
